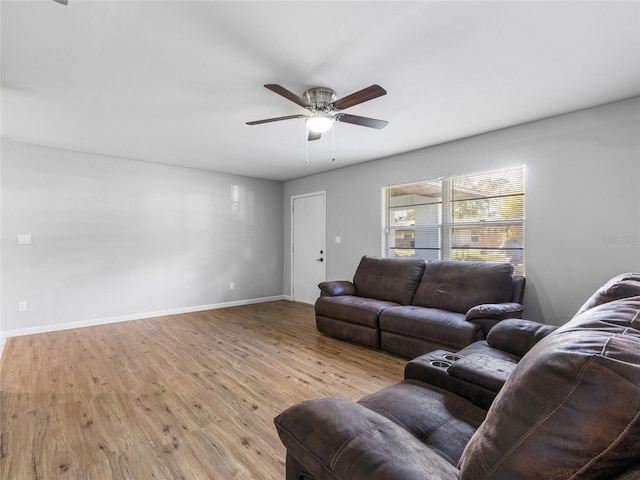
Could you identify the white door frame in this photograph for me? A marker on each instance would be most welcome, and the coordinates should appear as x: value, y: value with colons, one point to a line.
x: 292, y: 199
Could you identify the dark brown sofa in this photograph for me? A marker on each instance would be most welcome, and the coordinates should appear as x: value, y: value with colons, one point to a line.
x: 409, y: 307
x: 570, y: 409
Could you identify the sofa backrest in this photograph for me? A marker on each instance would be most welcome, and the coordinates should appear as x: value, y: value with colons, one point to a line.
x: 571, y: 407
x: 517, y: 289
x: 388, y: 279
x: 457, y: 286
x: 621, y: 286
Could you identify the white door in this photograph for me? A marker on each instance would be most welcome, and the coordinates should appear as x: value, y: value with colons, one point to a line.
x: 308, y: 256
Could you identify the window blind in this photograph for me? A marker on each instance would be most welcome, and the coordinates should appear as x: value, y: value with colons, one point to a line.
x: 469, y: 217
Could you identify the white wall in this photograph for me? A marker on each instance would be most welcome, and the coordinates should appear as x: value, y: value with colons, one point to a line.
x: 116, y: 239
x: 582, y: 201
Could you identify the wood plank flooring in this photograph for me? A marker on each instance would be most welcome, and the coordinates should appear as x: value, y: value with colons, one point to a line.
x: 188, y: 396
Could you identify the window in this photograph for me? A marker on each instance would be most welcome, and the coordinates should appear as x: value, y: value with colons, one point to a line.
x: 473, y: 217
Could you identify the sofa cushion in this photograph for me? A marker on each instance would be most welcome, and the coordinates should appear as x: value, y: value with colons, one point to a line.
x: 417, y: 407
x: 388, y: 279
x: 457, y: 286
x: 449, y: 329
x: 357, y: 310
x: 335, y: 438
x: 556, y: 417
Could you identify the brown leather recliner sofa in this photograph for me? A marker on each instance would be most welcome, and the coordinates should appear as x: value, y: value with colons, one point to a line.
x: 570, y: 409
x: 410, y: 307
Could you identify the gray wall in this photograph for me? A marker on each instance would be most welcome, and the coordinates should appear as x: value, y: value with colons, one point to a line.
x: 114, y: 237
x: 582, y: 201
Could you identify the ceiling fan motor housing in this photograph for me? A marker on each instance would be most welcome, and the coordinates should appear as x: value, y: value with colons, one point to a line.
x: 320, y: 97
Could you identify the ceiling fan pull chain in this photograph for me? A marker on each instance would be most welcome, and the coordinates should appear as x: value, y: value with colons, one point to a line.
x: 333, y: 143
x: 306, y: 145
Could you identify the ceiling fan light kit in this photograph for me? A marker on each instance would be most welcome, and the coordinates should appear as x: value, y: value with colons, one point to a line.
x: 319, y: 122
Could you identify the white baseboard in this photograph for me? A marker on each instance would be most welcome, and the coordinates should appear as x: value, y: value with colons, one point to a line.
x: 125, y: 318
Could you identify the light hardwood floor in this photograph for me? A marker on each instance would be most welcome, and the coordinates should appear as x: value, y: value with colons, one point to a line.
x: 188, y: 396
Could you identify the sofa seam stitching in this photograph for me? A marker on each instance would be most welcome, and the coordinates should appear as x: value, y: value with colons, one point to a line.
x: 303, y: 446
x: 609, y: 447
x: 344, y: 445
x: 539, y: 422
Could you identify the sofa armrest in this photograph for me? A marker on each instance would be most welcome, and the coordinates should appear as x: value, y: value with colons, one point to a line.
x: 335, y: 438
x: 337, y: 288
x: 434, y: 368
x: 487, y: 315
x: 482, y: 370
x: 497, y: 311
x: 517, y: 335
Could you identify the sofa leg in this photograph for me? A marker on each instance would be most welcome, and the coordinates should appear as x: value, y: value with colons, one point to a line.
x: 295, y: 470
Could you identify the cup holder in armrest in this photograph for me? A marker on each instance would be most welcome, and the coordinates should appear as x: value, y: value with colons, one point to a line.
x: 440, y: 363
x: 452, y: 357
x: 432, y: 367
x: 472, y: 376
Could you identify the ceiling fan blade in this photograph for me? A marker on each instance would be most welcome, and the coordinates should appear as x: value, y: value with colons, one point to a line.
x: 362, y: 121
x: 280, y: 90
x: 63, y: 2
x: 275, y: 119
x: 364, y: 95
x: 313, y: 136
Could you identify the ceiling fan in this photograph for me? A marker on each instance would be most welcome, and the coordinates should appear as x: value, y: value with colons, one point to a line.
x: 325, y: 109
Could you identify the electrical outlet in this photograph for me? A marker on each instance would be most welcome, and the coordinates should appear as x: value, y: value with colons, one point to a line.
x: 232, y: 286
x: 24, y: 239
x: 22, y: 306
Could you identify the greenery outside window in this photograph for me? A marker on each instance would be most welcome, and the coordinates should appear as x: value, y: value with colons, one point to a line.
x: 472, y: 217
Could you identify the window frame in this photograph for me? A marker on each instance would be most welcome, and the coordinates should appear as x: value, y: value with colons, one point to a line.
x: 510, y: 230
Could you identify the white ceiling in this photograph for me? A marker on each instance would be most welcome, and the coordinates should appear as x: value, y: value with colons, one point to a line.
x: 175, y: 81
